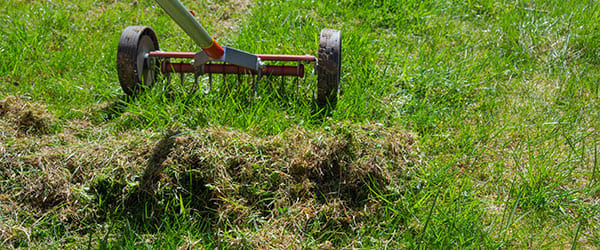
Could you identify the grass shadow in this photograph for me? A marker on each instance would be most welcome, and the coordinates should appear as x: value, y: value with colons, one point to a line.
x: 114, y: 109
x: 146, y: 206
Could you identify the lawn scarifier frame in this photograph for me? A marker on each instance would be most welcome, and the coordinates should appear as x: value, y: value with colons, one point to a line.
x: 139, y: 58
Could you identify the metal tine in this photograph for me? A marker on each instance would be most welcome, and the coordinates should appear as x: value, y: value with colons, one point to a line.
x: 297, y: 79
x: 255, y: 85
x: 224, y: 81
x: 182, y: 79
x: 282, y: 86
x: 209, y: 81
x: 196, y: 86
x: 167, y: 74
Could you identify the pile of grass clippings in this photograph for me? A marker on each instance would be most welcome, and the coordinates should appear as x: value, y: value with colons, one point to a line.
x: 47, y: 169
x: 20, y: 117
x: 256, y: 191
x: 285, y: 184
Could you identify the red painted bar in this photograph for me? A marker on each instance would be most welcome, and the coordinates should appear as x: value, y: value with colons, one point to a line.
x: 172, y: 54
x: 264, y: 57
x: 226, y: 69
x: 289, y: 58
x: 273, y: 70
x: 177, y: 68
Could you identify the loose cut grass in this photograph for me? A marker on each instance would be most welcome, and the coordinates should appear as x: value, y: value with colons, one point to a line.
x: 286, y: 185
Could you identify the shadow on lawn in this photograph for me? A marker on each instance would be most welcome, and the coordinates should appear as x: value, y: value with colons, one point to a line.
x: 114, y: 109
x: 146, y: 205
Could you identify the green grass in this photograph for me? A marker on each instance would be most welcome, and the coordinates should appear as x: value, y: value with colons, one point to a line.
x: 502, y: 98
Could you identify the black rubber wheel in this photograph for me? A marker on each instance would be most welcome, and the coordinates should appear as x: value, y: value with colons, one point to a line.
x: 134, y: 68
x: 329, y: 68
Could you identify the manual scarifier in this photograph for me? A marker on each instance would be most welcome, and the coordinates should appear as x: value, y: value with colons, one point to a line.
x: 139, y: 59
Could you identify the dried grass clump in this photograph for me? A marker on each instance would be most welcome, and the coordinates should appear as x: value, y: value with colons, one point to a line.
x: 46, y: 178
x: 288, y: 183
x: 23, y: 117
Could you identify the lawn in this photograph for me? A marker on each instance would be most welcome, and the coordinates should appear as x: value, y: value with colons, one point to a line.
x: 460, y: 124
